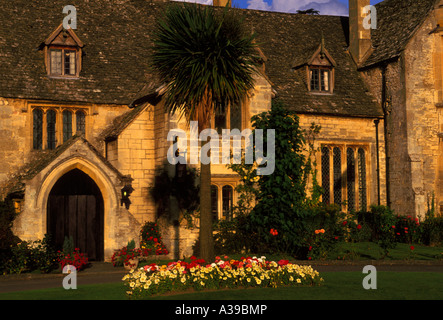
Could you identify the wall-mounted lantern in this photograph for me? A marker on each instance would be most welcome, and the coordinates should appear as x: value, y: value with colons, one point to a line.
x: 126, y: 193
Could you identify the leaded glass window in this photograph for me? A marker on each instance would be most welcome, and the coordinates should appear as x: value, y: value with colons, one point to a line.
x: 56, y: 62
x: 69, y: 62
x: 337, y: 175
x: 235, y: 117
x: 51, y: 129
x: 346, y: 178
x: 362, y: 179
x: 325, y: 176
x: 37, y: 130
x: 67, y: 125
x: 350, y: 174
x: 81, y: 122
x: 228, y: 198
x: 214, y: 202
x: 220, y: 120
x: 62, y: 62
x: 320, y: 79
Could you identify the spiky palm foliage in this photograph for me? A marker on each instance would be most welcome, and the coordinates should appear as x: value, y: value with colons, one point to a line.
x: 207, y: 60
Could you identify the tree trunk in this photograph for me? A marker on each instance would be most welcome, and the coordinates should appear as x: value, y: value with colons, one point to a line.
x: 206, y: 235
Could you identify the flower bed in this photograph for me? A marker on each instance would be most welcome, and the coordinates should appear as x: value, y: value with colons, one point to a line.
x: 76, y: 258
x: 197, y: 275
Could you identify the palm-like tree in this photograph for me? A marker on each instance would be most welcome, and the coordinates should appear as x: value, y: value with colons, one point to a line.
x: 207, y: 60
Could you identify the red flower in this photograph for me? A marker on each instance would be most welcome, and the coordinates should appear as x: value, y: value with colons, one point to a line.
x: 359, y: 227
x: 283, y: 262
x: 274, y: 232
x: 412, y: 247
x: 344, y: 223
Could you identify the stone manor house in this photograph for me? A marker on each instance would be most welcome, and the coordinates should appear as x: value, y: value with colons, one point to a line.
x: 81, y: 116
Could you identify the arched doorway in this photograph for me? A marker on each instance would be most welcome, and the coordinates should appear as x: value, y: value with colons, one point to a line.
x: 75, y: 208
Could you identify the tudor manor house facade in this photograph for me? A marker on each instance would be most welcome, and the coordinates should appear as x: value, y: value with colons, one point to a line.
x: 82, y: 118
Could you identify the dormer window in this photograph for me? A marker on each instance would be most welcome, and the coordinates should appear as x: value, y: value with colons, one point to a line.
x: 62, y: 62
x: 319, y: 70
x: 63, y: 51
x: 320, y: 79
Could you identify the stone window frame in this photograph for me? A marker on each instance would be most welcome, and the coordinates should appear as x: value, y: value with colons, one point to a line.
x: 58, y: 108
x: 361, y: 182
x: 220, y: 184
x: 244, y: 114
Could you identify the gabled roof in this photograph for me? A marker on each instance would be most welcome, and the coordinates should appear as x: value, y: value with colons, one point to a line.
x: 75, y: 40
x: 116, y: 42
x: 117, y: 45
x: 308, y: 59
x: 41, y: 160
x: 288, y: 39
x: 122, y: 122
x: 397, y: 21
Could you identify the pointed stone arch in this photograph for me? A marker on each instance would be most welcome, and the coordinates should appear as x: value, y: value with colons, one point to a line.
x: 105, y: 184
x: 119, y: 224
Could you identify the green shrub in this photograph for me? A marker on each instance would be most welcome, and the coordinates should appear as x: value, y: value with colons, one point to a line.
x: 44, y: 255
x: 383, y: 227
x: 407, y: 229
x: 20, y: 259
x: 68, y: 245
x: 281, y: 196
x: 151, y: 240
x: 431, y: 230
x: 7, y: 239
x: 28, y: 256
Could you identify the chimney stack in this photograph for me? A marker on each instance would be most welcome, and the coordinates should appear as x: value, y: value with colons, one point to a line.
x: 221, y: 3
x: 359, y: 36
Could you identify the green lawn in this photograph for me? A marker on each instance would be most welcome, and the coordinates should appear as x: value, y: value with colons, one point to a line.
x: 371, y: 251
x: 337, y: 286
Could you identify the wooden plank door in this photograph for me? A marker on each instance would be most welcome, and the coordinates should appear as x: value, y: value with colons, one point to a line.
x: 79, y: 216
